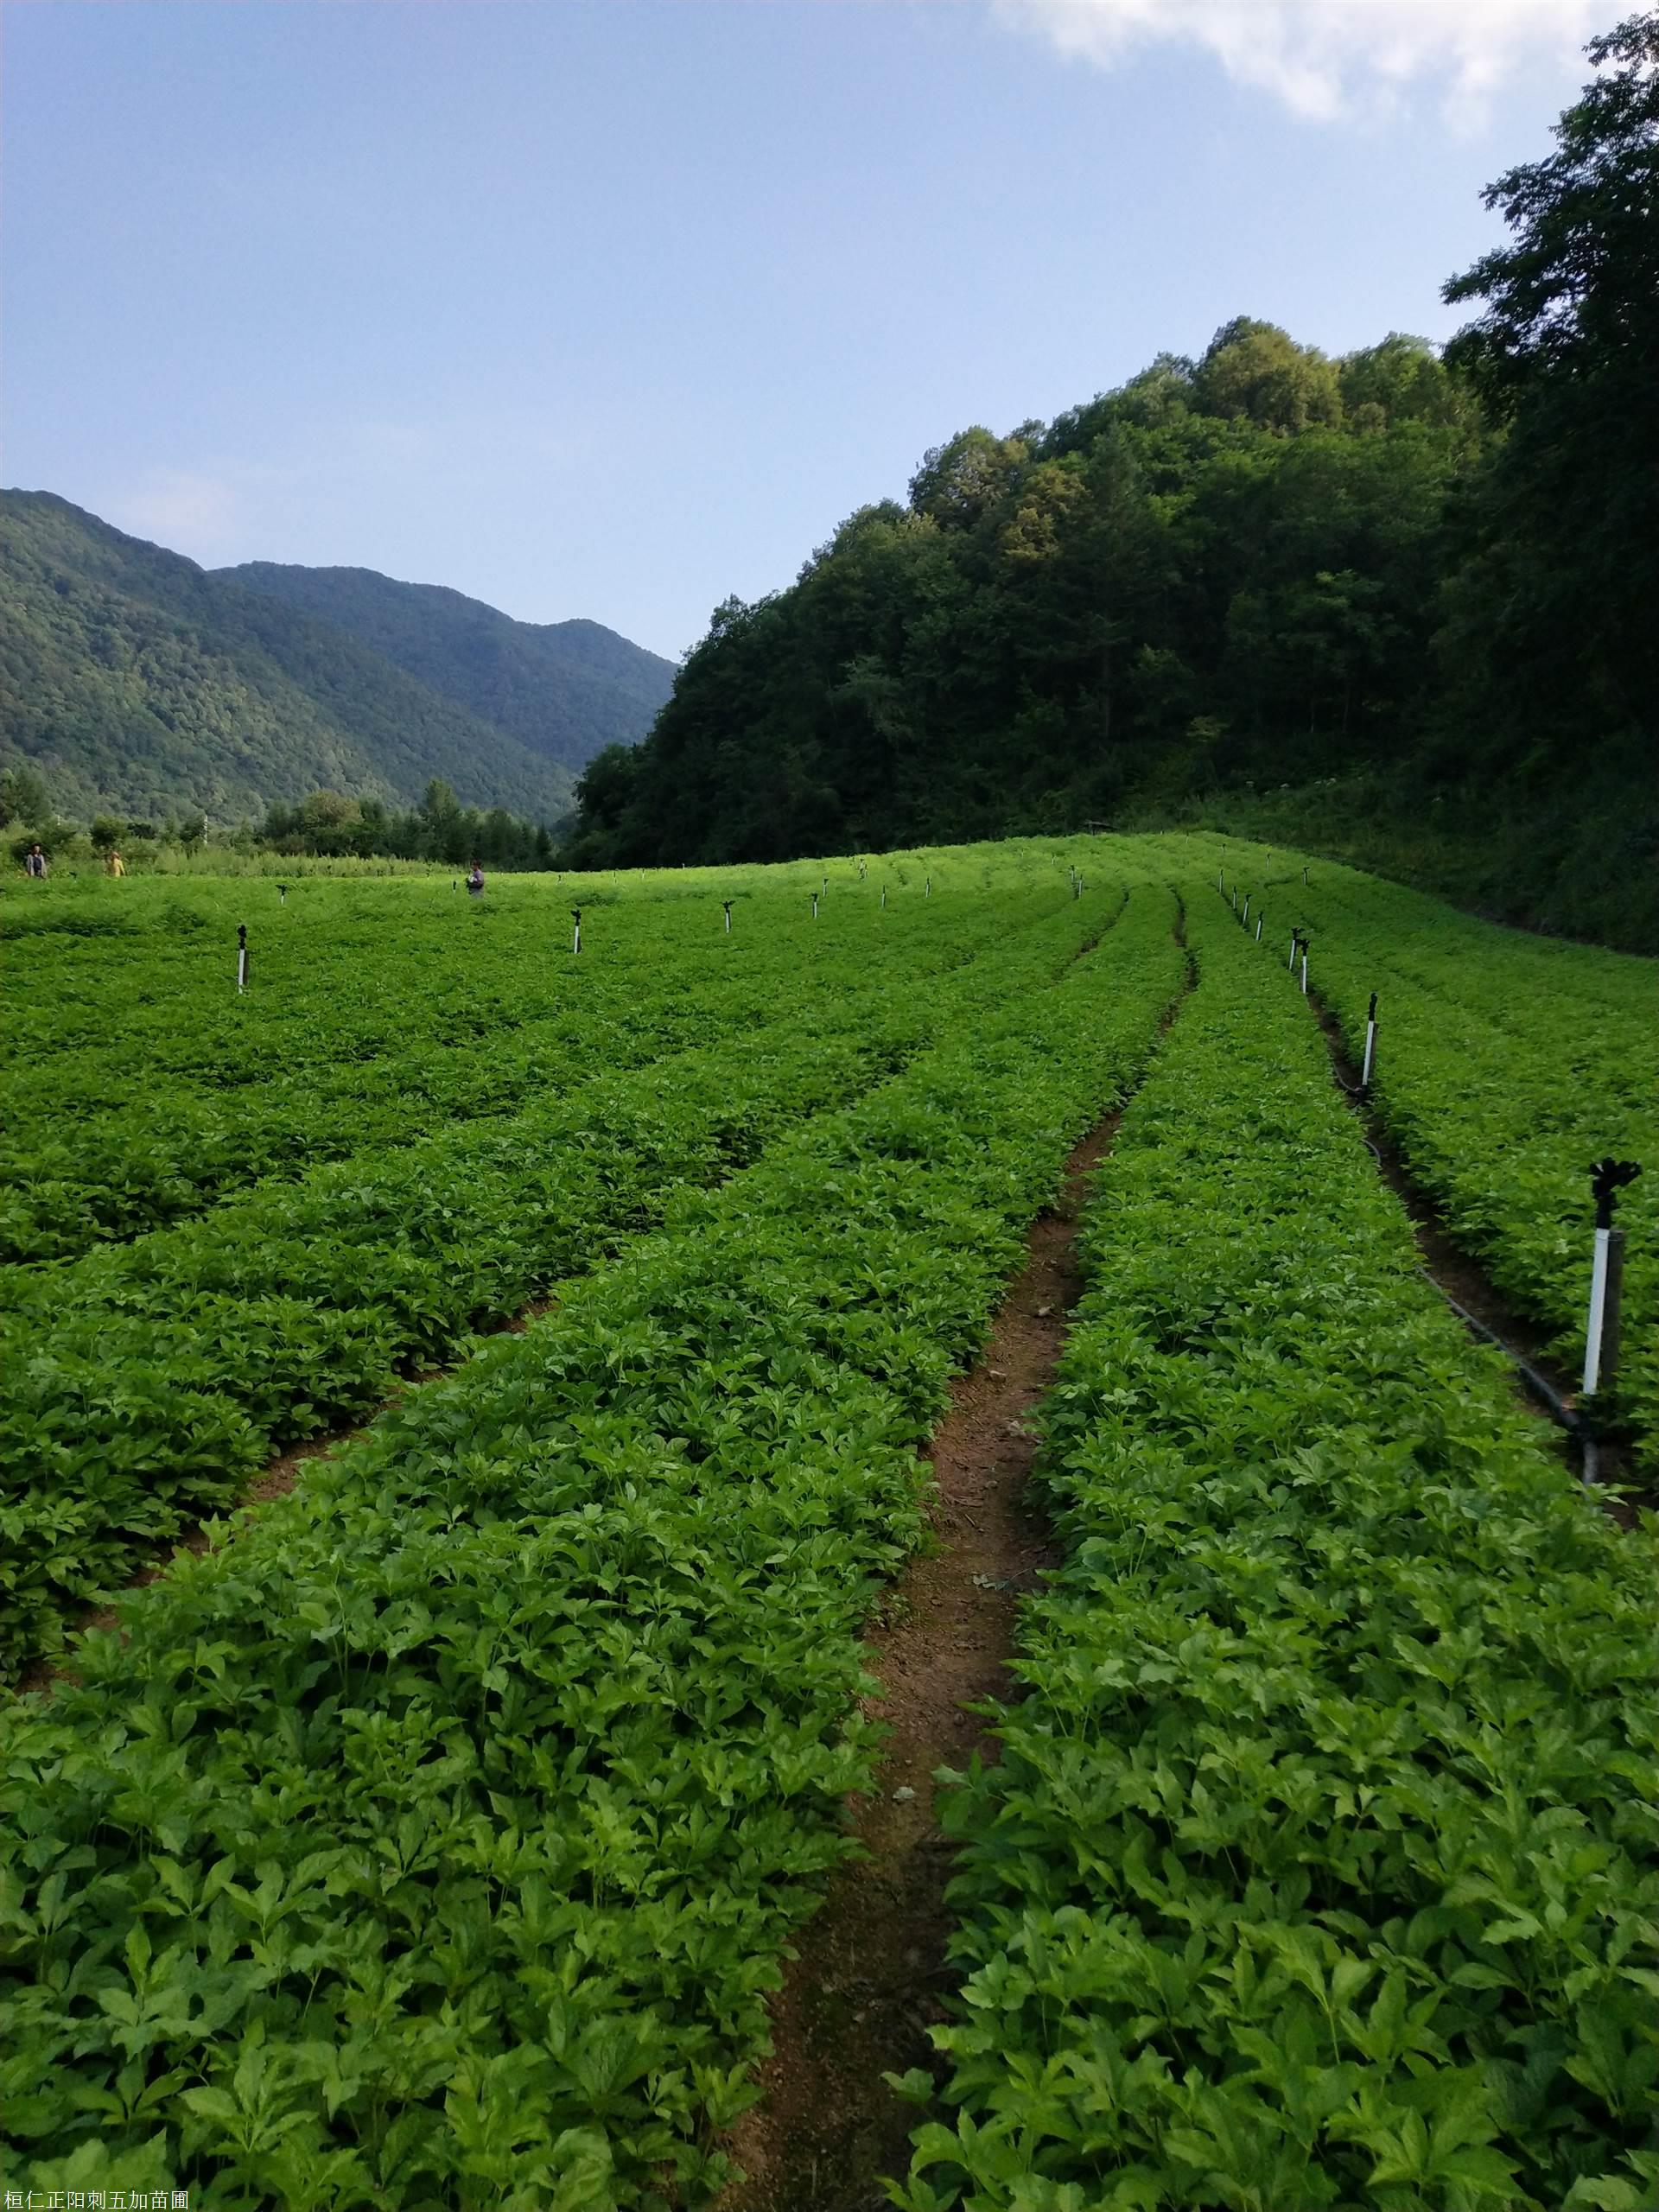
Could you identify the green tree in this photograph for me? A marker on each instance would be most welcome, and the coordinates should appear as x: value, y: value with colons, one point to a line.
x: 1401, y: 380
x: 438, y: 803
x: 23, y: 795
x: 1555, y: 612
x: 1578, y: 292
x: 326, y: 810
x: 607, y: 784
x: 1257, y: 370
x: 958, y: 480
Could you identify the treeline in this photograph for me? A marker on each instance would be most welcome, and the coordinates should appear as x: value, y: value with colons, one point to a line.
x: 1228, y: 567
x: 440, y: 829
x: 327, y: 825
x: 1259, y: 572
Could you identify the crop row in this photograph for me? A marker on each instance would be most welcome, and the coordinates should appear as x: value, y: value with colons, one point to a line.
x: 319, y: 964
x: 437, y: 1841
x: 148, y: 1381
x: 1319, y: 1866
x: 115, y: 1140
x: 1506, y: 1064
x: 366, y: 966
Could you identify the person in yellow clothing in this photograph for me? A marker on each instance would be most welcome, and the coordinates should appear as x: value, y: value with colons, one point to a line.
x: 113, y: 864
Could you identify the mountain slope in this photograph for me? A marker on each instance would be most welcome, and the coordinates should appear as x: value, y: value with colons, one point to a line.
x: 132, y: 678
x: 1226, y: 573
x: 566, y: 689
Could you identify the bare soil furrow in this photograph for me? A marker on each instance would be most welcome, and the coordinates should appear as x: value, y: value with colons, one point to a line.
x: 867, y: 1982
x: 870, y: 1968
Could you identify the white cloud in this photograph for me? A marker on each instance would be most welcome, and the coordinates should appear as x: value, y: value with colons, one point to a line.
x: 179, y: 508
x: 1326, y: 59
x: 327, y: 477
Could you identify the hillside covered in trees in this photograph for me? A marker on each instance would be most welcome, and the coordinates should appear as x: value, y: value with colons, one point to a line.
x: 1417, y: 588
x: 565, y: 690
x: 1226, y: 567
x: 132, y: 680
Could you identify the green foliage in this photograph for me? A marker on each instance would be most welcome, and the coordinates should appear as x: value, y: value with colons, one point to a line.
x: 1033, y: 636
x: 240, y: 1294
x: 1583, y: 868
x: 1508, y: 1064
x: 1253, y: 370
x: 437, y: 1841
x: 1262, y: 573
x: 158, y: 1372
x: 129, y: 679
x: 1551, y: 647
x: 22, y: 796
x: 564, y: 690
x: 328, y: 824
x: 1319, y: 1867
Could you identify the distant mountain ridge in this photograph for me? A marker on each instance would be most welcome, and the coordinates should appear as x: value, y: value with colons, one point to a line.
x: 134, y: 680
x: 565, y: 690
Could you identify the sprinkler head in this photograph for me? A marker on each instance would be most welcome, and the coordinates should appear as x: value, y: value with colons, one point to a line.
x: 1607, y: 1179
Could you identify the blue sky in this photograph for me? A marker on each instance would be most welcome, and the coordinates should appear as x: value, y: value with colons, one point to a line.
x: 615, y: 308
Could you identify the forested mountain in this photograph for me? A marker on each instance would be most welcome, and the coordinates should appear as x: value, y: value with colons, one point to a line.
x: 1228, y: 567
x: 131, y: 678
x: 566, y: 689
x: 1263, y: 571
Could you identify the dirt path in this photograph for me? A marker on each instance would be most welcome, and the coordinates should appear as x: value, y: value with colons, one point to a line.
x: 871, y: 1970
x: 859, y: 1998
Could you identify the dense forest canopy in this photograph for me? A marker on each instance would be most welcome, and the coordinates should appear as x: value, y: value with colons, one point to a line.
x: 1258, y: 569
x: 1229, y: 566
x: 565, y: 690
x: 133, y: 681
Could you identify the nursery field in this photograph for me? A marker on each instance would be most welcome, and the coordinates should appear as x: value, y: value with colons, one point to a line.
x: 433, y: 1834
x: 1320, y: 1867
x: 1509, y: 1064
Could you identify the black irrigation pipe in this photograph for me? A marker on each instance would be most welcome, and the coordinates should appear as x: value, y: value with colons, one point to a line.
x: 1540, y: 1385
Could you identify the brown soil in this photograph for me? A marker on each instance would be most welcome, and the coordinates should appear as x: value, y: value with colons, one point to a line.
x: 870, y: 1971
x: 866, y: 1985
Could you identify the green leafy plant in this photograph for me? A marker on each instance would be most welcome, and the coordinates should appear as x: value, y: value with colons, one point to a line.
x: 442, y: 1833
x: 1318, y: 1866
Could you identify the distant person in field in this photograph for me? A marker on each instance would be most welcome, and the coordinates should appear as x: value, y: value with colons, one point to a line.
x: 475, y: 881
x: 35, y: 861
x: 113, y: 863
